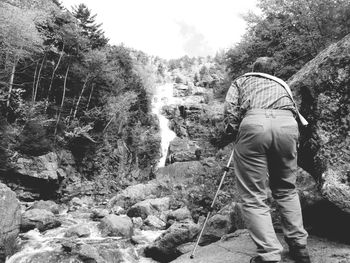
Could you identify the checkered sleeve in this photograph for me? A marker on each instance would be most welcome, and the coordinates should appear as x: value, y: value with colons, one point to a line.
x: 232, y: 109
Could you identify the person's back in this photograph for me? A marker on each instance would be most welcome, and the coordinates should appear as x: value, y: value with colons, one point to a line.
x: 266, y: 152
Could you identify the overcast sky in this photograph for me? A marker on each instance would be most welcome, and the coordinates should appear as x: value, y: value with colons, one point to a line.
x: 171, y: 28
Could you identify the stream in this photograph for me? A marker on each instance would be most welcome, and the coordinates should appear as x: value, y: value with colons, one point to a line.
x: 55, y: 246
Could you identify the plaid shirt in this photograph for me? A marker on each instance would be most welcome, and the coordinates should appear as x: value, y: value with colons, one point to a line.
x: 252, y: 92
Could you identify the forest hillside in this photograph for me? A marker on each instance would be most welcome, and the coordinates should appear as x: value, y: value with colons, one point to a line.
x: 80, y: 139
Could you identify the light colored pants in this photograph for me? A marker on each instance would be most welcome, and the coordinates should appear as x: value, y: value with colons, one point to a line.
x: 266, y: 154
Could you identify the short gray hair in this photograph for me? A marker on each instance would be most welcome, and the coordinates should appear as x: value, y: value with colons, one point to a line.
x: 265, y: 65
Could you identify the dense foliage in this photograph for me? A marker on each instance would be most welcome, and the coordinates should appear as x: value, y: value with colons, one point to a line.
x: 291, y: 31
x: 63, y: 86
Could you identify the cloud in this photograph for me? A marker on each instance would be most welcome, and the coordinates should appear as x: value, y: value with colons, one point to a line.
x: 194, y: 42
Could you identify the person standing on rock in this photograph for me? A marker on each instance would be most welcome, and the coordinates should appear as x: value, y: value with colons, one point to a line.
x: 262, y: 115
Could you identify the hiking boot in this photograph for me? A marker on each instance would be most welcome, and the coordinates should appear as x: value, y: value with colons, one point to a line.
x: 258, y: 259
x: 300, y: 254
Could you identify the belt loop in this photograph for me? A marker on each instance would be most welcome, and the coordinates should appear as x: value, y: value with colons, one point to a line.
x: 273, y: 114
x: 267, y: 114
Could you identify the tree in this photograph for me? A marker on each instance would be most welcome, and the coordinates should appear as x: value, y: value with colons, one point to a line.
x: 291, y: 31
x: 93, y: 65
x: 90, y: 29
x: 19, y: 39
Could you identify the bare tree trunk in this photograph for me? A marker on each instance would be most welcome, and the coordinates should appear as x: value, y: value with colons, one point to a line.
x: 6, y: 58
x: 91, y: 91
x: 38, y: 79
x: 71, y: 110
x: 62, y: 102
x: 13, y: 71
x: 34, y: 80
x: 79, y: 98
x: 52, y: 77
x: 110, y: 121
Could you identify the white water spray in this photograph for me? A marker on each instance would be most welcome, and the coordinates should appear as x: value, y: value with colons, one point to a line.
x: 163, y: 96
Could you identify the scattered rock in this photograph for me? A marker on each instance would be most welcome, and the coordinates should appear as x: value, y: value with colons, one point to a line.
x: 133, y: 194
x: 137, y: 222
x: 78, y: 231
x: 180, y: 214
x: 118, y: 210
x: 98, y: 213
x: 149, y: 207
x: 145, y: 236
x: 155, y: 222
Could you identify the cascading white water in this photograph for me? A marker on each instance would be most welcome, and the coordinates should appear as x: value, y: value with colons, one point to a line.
x: 163, y: 95
x: 34, y: 242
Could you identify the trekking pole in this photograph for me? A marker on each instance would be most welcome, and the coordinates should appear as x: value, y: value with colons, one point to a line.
x: 226, y: 169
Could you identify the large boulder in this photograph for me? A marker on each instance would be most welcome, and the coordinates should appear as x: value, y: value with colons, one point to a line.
x: 10, y: 214
x: 46, y: 205
x: 149, y: 207
x: 40, y: 219
x: 183, y: 150
x: 42, y: 167
x: 219, y: 224
x: 113, y: 225
x: 78, y: 231
x: 240, y: 248
x: 133, y: 194
x: 165, y: 248
x: 321, y: 89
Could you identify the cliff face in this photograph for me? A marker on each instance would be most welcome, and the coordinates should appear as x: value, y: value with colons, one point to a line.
x: 322, y: 89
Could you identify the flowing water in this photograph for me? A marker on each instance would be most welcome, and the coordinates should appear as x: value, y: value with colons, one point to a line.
x: 41, y: 247
x: 47, y: 246
x: 163, y: 96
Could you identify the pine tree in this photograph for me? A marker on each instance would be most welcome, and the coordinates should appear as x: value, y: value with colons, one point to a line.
x: 89, y: 27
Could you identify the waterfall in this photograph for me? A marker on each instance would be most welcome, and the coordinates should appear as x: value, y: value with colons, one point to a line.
x: 162, y: 96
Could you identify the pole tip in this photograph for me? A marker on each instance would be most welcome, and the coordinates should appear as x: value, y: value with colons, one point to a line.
x: 191, y: 257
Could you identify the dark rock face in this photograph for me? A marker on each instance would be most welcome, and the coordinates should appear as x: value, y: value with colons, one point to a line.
x: 10, y: 213
x: 321, y: 89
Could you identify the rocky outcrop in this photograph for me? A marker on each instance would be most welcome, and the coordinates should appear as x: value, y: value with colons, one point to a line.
x: 321, y: 89
x: 240, y: 248
x: 41, y: 167
x: 10, y: 214
x: 45, y: 176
